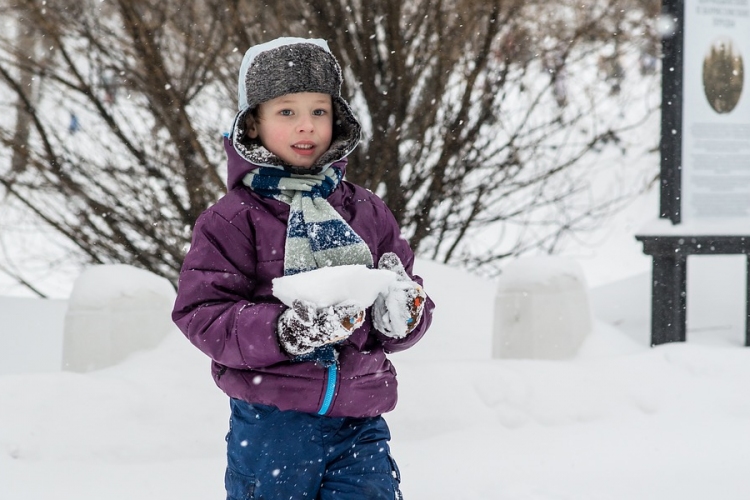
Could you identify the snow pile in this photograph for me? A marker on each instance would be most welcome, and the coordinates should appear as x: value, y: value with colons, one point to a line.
x: 541, y: 309
x: 114, y: 310
x: 329, y: 286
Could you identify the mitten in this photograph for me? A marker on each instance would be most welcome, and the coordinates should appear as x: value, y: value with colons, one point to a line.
x: 303, y: 328
x: 398, y: 311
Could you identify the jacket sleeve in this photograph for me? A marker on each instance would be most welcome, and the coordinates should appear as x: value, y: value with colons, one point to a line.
x: 392, y: 241
x: 214, y: 306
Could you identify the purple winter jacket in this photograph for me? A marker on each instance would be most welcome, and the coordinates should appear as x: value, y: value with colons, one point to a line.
x: 226, y: 308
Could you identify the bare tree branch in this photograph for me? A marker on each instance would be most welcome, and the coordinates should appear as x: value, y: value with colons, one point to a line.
x: 472, y: 116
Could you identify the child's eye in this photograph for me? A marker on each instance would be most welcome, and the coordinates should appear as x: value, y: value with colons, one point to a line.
x: 319, y: 112
x: 285, y: 112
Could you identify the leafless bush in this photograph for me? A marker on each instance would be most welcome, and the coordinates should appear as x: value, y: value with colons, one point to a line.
x: 472, y: 110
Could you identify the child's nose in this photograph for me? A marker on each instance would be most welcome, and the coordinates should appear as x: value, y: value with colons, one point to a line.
x: 305, y: 124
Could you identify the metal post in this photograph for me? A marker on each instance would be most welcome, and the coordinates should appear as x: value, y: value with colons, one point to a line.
x: 747, y: 304
x: 671, y: 113
x: 669, y: 299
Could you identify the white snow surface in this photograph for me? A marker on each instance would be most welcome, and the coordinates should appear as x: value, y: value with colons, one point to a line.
x: 99, y: 285
x: 328, y: 286
x: 701, y: 227
x: 541, y: 273
x: 620, y: 421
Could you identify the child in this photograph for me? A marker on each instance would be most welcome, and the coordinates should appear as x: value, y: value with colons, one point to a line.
x: 307, y: 384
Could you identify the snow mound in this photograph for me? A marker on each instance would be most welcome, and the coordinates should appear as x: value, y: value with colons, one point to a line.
x: 100, y: 285
x: 541, y: 309
x: 114, y: 311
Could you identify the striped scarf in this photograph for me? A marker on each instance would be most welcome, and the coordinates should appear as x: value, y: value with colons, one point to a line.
x: 317, y: 236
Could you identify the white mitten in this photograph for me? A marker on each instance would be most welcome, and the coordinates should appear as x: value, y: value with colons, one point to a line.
x: 398, y: 311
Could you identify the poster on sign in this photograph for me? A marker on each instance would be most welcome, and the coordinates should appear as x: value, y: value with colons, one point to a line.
x: 716, y: 112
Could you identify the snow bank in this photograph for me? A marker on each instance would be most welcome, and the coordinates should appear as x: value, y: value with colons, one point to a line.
x: 31, y: 333
x: 620, y: 421
x: 541, y: 309
x: 113, y: 311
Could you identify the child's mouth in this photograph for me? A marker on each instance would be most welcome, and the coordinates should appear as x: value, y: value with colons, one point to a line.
x: 304, y: 149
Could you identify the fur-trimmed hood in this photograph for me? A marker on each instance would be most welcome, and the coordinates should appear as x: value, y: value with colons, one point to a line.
x: 288, y: 66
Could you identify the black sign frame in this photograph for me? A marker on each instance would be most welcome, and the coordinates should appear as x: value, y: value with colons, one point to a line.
x: 670, y: 251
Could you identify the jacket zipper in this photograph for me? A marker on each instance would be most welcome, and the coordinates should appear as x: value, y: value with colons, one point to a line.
x: 331, y: 379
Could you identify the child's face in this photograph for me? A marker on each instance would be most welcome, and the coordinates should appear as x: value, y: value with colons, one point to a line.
x: 295, y: 127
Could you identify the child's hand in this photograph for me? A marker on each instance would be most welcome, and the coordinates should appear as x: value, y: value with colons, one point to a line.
x: 398, y: 311
x: 303, y: 328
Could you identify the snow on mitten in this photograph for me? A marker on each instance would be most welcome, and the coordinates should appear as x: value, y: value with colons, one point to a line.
x: 303, y: 328
x: 398, y: 311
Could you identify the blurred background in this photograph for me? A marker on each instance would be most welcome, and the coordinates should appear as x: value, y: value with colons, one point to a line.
x: 493, y: 129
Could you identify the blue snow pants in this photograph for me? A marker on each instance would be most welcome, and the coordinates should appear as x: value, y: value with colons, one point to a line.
x: 275, y: 455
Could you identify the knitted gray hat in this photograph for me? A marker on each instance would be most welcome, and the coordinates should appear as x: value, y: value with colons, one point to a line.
x: 288, y: 66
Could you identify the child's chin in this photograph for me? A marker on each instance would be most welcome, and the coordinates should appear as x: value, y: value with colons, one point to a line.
x: 304, y: 164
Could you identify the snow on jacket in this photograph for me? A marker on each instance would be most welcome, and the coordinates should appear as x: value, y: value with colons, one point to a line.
x: 226, y: 308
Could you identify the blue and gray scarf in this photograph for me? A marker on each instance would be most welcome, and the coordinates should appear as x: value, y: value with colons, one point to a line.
x: 316, y: 236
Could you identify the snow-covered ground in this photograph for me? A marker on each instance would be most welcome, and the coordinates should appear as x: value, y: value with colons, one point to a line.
x: 620, y: 421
